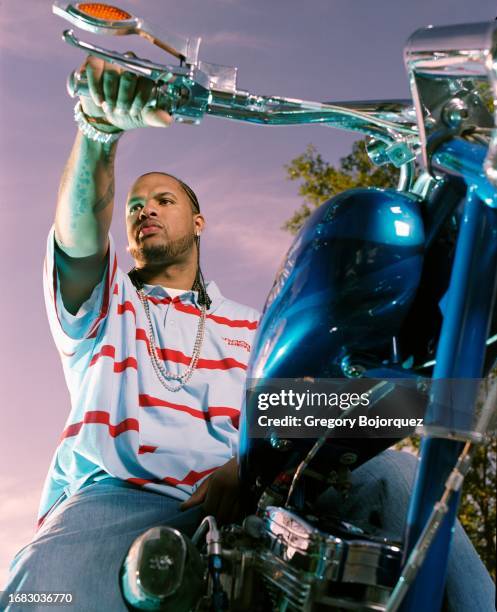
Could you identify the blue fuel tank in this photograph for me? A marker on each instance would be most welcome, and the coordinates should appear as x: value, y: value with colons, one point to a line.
x: 345, y: 285
x: 342, y: 292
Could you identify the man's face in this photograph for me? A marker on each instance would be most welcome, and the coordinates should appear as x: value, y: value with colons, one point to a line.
x: 160, y: 222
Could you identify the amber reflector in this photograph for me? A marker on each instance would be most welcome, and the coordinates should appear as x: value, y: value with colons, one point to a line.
x: 103, y: 11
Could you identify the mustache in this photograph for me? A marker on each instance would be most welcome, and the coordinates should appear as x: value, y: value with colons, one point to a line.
x: 148, y: 223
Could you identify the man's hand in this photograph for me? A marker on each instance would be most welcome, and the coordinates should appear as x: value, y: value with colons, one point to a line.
x: 219, y: 494
x: 119, y: 97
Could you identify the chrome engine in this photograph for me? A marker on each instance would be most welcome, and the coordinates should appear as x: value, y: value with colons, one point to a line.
x: 281, y: 561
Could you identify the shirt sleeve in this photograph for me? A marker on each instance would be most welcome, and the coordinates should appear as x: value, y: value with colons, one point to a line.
x: 71, y: 332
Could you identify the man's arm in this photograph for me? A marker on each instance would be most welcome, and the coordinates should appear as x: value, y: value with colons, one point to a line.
x: 83, y: 217
x: 86, y: 195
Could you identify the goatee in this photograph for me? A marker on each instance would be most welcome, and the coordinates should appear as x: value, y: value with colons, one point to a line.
x: 163, y: 253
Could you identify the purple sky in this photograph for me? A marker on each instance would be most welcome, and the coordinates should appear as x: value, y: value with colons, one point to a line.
x: 317, y: 50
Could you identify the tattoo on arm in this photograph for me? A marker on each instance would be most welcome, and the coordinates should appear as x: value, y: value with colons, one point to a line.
x: 108, y: 196
x: 106, y: 199
x: 84, y: 189
x: 87, y: 184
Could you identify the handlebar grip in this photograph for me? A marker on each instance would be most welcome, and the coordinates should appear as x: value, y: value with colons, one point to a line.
x: 77, y: 85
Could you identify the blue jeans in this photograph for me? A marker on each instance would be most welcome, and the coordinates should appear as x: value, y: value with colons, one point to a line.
x: 82, y: 544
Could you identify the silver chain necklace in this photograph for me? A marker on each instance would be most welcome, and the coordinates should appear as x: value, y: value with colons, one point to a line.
x: 162, y: 373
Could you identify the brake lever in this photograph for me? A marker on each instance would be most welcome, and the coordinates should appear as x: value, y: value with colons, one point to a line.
x: 183, y: 91
x: 142, y: 67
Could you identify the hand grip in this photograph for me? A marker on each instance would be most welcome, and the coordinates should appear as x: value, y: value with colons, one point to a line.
x: 77, y: 85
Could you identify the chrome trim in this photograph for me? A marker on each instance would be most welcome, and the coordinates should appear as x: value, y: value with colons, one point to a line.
x: 325, y: 556
x: 447, y: 66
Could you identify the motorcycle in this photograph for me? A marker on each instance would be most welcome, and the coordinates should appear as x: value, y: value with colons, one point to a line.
x: 425, y: 251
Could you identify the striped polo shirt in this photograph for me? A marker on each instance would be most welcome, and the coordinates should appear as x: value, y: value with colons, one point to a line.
x: 123, y: 422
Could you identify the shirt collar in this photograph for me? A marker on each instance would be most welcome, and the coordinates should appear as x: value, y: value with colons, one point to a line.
x: 189, y: 296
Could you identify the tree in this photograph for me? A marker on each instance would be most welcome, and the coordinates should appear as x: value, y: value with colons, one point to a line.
x: 477, y: 511
x: 320, y: 181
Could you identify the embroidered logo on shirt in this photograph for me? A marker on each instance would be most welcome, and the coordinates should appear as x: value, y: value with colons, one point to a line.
x: 240, y: 343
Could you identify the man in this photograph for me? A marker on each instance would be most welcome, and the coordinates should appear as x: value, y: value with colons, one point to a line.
x: 156, y: 381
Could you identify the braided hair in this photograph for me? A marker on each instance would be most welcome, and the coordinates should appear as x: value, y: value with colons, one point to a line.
x: 199, y: 282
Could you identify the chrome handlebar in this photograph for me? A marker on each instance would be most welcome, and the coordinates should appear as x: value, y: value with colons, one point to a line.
x: 189, y: 92
x: 452, y: 71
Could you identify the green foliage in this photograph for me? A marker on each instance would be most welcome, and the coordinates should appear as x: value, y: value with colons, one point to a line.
x: 320, y: 180
x: 477, y: 509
